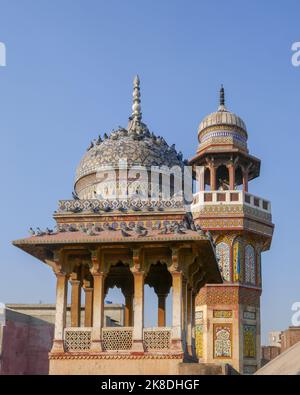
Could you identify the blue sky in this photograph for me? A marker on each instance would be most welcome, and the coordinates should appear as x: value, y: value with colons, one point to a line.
x: 69, y: 75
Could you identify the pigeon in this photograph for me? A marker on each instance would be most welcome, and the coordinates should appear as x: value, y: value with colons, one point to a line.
x: 106, y: 226
x: 39, y: 232
x: 164, y: 231
x: 31, y: 232
x: 157, y: 226
x: 135, y: 208
x: 160, y: 209
x: 122, y: 209
x: 49, y: 231
x: 95, y: 210
x: 75, y: 196
x: 124, y: 234
x: 143, y: 233
x: 90, y: 232
x: 72, y: 228
x: 76, y: 210
x: 98, y: 229
x: 124, y: 227
x: 99, y: 140
x: 106, y: 209
x: 90, y: 146
x: 138, y: 230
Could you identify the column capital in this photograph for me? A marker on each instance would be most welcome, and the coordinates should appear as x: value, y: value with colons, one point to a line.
x: 137, y: 261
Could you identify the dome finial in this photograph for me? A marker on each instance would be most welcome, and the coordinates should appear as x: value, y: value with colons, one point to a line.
x: 222, y: 96
x: 136, y: 106
x: 222, y: 99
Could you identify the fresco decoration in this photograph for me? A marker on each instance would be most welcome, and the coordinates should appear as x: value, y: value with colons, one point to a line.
x: 249, y: 341
x: 199, y: 340
x: 250, y: 272
x: 222, y: 341
x: 223, y: 255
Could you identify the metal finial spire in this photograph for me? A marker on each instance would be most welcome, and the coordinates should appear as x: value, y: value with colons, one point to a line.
x: 136, y: 107
x: 222, y: 96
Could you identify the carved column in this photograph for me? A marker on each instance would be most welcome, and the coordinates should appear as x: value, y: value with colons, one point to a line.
x: 177, y: 302
x: 60, y: 311
x: 138, y: 320
x: 184, y: 311
x: 193, y: 313
x: 75, y: 300
x: 98, y: 300
x: 88, y: 309
x: 213, y: 177
x: 189, y: 320
x: 245, y: 180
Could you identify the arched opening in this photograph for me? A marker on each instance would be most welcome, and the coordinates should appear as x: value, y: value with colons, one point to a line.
x: 120, y: 277
x: 207, y: 179
x: 222, y: 176
x: 239, y: 177
x: 160, y: 280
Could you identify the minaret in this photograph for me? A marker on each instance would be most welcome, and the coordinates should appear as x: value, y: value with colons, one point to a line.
x: 228, y: 315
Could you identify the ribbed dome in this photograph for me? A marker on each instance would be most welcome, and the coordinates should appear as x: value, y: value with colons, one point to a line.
x: 222, y: 117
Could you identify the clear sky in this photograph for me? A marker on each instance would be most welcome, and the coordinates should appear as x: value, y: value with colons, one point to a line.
x: 70, y: 65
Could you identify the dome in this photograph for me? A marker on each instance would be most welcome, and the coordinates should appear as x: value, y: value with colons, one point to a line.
x: 132, y: 146
x: 122, y: 145
x: 222, y: 127
x: 222, y: 117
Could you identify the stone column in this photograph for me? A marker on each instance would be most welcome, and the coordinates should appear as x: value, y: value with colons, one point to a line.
x: 128, y: 309
x: 161, y: 318
x: 189, y: 321
x: 184, y: 311
x: 98, y: 274
x: 138, y: 320
x: 177, y: 310
x: 60, y: 312
x: 193, y: 313
x: 88, y: 310
x: 213, y: 178
x: 245, y: 180
x: 231, y: 171
x: 75, y: 300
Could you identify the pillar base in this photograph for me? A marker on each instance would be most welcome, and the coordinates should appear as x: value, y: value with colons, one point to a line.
x: 138, y: 346
x: 176, y: 345
x: 96, y: 346
x: 58, y: 346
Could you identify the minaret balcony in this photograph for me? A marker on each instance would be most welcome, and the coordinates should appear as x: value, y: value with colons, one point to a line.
x: 232, y: 209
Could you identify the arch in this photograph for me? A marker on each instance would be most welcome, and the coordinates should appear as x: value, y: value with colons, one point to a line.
x: 250, y: 263
x: 223, y: 255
